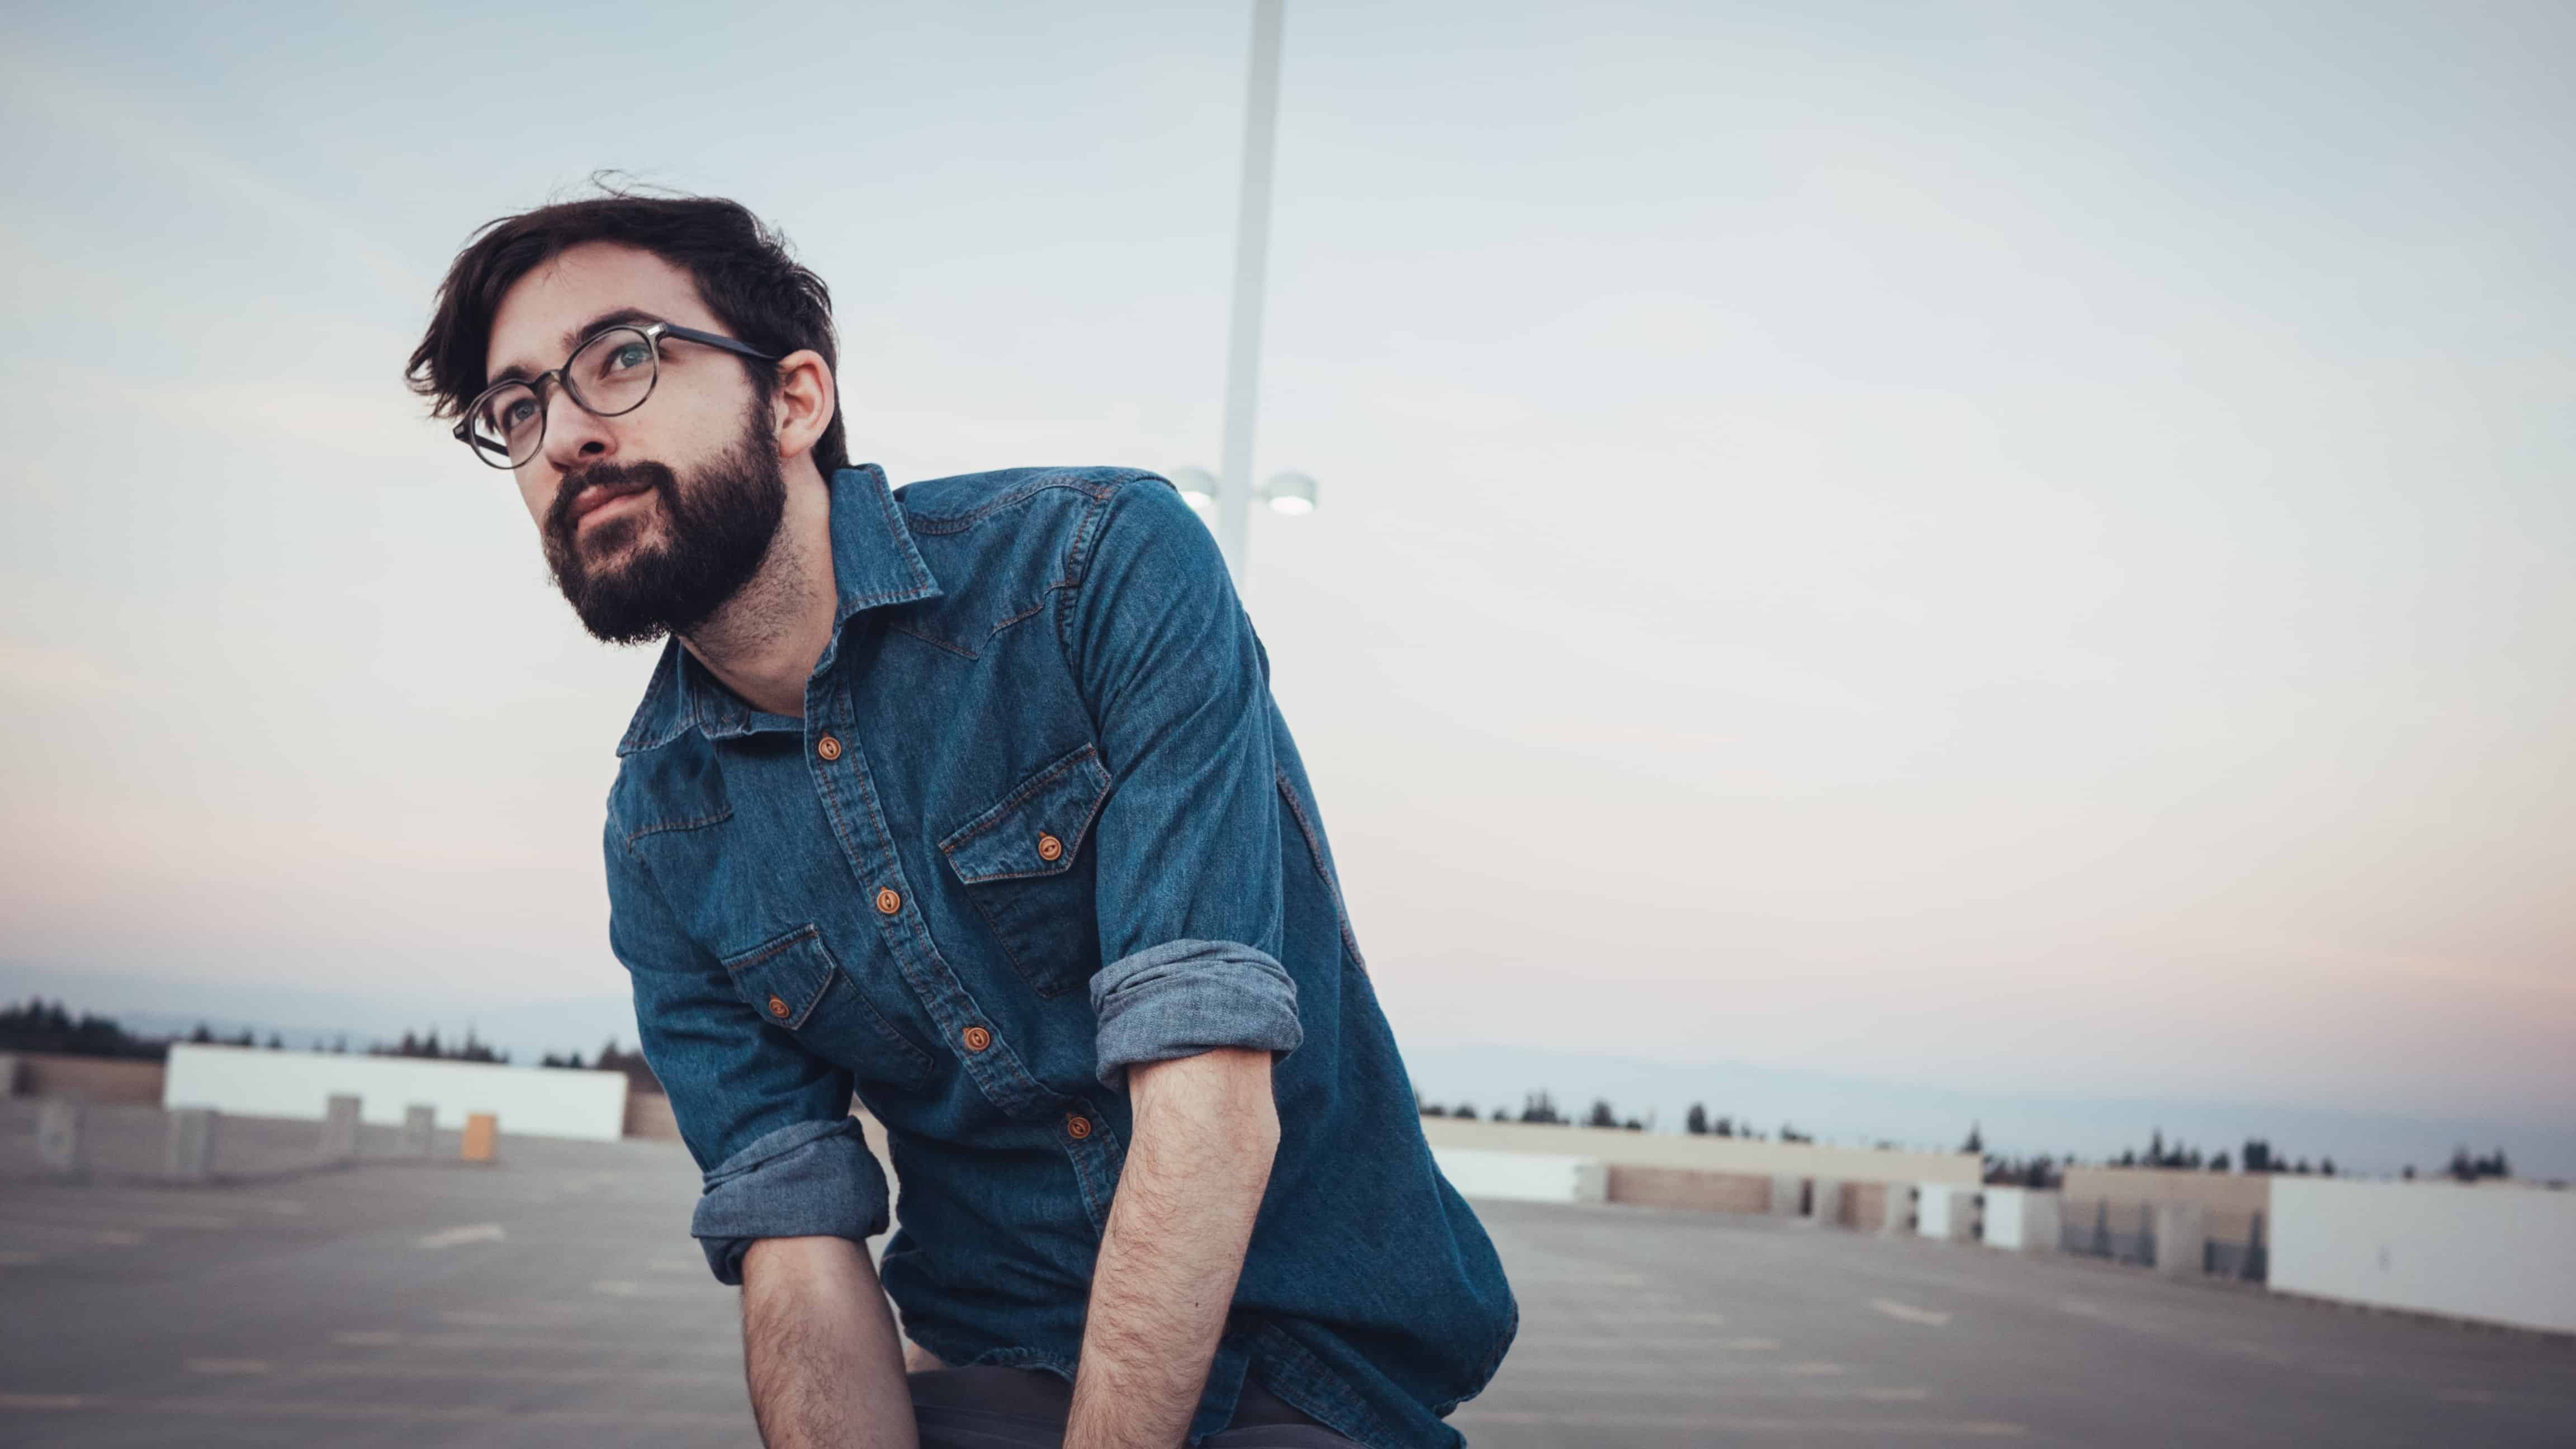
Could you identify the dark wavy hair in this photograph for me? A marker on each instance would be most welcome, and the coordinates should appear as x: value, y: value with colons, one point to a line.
x: 741, y: 265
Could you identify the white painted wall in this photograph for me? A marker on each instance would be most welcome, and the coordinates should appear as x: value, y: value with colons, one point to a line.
x: 2023, y: 1219
x: 1523, y: 1176
x: 530, y: 1101
x: 1946, y: 1211
x: 2496, y: 1252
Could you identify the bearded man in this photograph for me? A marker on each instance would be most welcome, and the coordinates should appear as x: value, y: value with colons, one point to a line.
x: 968, y: 799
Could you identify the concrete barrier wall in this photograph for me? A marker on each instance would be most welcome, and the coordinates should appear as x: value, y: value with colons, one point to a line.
x: 1522, y: 1176
x: 1946, y: 1211
x: 2496, y: 1253
x: 648, y: 1117
x: 1707, y: 1154
x: 1687, y: 1191
x: 1864, y: 1206
x: 2023, y: 1219
x: 530, y: 1101
x: 110, y: 1080
x: 2229, y: 1200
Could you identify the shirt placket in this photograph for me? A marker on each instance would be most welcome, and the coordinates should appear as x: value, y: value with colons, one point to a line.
x: 847, y: 790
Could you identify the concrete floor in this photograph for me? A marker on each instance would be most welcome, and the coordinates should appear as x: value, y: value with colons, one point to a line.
x: 555, y: 1299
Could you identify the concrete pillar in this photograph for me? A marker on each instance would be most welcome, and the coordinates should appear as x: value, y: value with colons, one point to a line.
x: 2181, y: 1239
x: 189, y: 1154
x: 60, y: 1144
x: 482, y: 1137
x: 8, y: 1074
x: 340, y: 1129
x: 1829, y: 1201
x: 1899, y: 1219
x: 2043, y: 1227
x: 1785, y: 1192
x: 420, y: 1130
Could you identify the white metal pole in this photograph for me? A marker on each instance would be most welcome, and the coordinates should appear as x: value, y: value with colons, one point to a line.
x: 1251, y: 255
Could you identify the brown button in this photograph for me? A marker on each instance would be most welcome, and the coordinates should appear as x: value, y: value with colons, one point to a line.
x: 888, y: 902
x: 828, y: 747
x: 777, y: 1007
x: 977, y: 1038
x: 1080, y: 1127
x: 1049, y: 848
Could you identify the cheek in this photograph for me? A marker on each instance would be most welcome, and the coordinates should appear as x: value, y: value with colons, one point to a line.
x: 537, y: 491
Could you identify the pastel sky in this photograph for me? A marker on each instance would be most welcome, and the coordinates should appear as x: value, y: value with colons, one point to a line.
x: 1984, y: 544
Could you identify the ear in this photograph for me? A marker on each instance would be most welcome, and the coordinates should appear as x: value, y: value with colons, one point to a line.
x: 803, y: 405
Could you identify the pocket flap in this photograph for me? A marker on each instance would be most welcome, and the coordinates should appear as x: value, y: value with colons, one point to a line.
x: 1037, y: 829
x: 784, y: 979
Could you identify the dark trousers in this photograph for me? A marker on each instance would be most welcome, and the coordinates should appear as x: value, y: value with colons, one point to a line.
x: 1015, y: 1408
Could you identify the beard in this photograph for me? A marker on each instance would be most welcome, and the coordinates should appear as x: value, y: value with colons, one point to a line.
x: 717, y: 530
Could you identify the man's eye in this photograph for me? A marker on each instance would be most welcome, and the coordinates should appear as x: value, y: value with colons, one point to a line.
x: 630, y: 355
x: 517, y: 412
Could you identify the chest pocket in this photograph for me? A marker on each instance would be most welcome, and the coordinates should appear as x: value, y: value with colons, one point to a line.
x: 1023, y: 865
x: 798, y: 988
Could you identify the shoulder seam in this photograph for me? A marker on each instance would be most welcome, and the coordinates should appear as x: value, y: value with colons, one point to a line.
x: 1095, y: 487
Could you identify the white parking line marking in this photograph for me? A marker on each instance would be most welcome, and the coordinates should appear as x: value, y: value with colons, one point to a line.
x: 1908, y: 1313
x: 229, y: 1366
x: 41, y: 1232
x: 1751, y: 1345
x: 471, y: 1233
x: 1742, y: 1424
x: 488, y: 1341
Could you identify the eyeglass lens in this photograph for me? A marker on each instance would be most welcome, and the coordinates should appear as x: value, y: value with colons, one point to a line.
x: 610, y: 374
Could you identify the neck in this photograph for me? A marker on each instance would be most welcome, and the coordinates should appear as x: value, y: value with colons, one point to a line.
x: 766, y: 639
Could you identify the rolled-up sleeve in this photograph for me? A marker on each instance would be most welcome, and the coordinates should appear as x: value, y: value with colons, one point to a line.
x: 768, y: 1123
x: 1187, y: 848
x: 1184, y: 997
x: 810, y: 1180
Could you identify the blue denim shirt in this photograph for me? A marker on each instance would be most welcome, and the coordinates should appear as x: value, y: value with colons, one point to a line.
x: 1041, y: 821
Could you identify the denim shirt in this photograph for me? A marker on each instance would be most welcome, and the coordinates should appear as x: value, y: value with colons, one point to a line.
x: 1041, y: 822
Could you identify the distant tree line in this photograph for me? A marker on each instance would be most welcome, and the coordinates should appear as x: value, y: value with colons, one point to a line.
x: 429, y: 1046
x: 641, y: 1077
x: 2041, y: 1170
x: 39, y: 1027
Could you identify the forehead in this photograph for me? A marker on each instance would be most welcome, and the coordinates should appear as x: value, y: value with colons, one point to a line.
x: 556, y: 300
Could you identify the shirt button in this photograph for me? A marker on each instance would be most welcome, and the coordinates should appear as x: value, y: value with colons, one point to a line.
x: 888, y: 902
x: 1078, y: 1127
x: 828, y: 747
x: 1049, y: 848
x: 977, y: 1038
x: 777, y: 1007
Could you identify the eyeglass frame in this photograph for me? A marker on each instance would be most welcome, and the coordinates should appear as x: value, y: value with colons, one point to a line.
x: 652, y: 332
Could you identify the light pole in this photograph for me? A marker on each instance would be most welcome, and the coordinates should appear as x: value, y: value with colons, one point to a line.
x: 1234, y: 493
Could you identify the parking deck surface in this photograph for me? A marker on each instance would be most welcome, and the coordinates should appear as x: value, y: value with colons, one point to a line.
x: 554, y: 1299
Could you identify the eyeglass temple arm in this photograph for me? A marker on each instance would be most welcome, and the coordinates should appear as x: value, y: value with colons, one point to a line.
x: 691, y: 334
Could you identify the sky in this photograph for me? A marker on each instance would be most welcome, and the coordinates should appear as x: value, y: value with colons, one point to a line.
x: 2022, y: 548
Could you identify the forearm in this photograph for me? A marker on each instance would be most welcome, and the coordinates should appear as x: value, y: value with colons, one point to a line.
x: 819, y: 1348
x: 1206, y: 1131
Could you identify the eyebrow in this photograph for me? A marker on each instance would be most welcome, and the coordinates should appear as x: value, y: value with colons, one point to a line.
x: 575, y: 336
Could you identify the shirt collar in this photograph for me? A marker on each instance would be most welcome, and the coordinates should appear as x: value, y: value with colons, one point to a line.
x: 874, y: 564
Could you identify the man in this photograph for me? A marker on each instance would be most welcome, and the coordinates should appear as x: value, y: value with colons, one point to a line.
x: 972, y: 799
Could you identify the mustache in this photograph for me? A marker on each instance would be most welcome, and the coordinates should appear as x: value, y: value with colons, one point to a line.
x: 643, y: 475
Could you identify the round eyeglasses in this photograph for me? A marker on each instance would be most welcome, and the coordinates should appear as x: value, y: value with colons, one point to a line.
x: 609, y: 375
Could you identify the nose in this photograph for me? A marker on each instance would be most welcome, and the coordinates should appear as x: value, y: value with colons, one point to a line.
x: 574, y: 437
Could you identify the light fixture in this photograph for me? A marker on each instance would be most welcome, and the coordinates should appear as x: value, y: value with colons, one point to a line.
x: 1197, y: 485
x: 1290, y: 493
